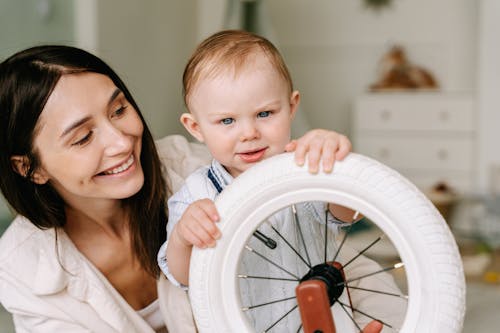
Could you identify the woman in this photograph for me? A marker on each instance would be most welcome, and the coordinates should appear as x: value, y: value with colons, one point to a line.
x: 80, y: 168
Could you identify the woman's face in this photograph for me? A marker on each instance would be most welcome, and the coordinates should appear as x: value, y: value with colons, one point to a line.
x: 89, y: 141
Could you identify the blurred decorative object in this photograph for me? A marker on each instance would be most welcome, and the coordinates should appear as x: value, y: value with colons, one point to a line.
x: 444, y: 198
x: 396, y: 72
x: 377, y: 4
x: 492, y: 277
x: 475, y: 265
x: 44, y: 9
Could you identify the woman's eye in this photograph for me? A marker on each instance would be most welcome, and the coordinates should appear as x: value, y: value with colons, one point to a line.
x: 83, y: 140
x: 227, y: 121
x: 118, y: 112
x: 264, y: 114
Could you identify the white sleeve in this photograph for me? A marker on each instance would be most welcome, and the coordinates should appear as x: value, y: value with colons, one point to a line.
x: 177, y: 205
x: 196, y: 187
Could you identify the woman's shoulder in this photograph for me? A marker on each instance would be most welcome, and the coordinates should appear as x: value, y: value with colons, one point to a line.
x: 28, y: 257
x: 21, y: 248
x: 181, y: 158
x: 176, y: 148
x: 19, y: 235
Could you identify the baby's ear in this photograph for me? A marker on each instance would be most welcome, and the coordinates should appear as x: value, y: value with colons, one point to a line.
x: 294, y: 103
x: 192, y: 126
x: 21, y: 165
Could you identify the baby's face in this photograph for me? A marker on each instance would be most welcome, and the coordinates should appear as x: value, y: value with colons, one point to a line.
x: 244, y: 118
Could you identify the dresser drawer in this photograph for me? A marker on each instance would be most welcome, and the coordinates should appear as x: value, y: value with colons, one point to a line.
x: 415, y: 153
x: 461, y: 182
x: 414, y: 113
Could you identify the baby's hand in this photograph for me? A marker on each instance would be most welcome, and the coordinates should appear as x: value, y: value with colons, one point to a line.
x: 197, y: 225
x: 320, y: 144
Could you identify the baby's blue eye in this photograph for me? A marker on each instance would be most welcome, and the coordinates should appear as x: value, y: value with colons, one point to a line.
x: 227, y: 121
x: 264, y: 114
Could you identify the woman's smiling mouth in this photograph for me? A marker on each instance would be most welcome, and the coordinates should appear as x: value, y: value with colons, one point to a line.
x: 120, y: 168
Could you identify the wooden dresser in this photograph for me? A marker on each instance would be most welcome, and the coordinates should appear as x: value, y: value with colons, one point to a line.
x: 428, y: 137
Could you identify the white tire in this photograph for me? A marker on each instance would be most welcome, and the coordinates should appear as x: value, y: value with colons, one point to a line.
x: 435, y: 279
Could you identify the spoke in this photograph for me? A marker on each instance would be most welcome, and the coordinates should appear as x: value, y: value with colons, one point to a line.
x: 280, y: 319
x: 364, y: 250
x: 349, y: 315
x: 269, y: 242
x: 300, y: 327
x: 379, y: 292
x: 342, y: 243
x: 354, y: 217
x: 289, y: 245
x: 267, y: 303
x: 266, y: 278
x: 270, y: 261
x: 297, y: 223
x: 365, y: 314
x: 390, y: 268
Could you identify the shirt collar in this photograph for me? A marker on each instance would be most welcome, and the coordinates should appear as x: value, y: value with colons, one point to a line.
x: 221, y: 176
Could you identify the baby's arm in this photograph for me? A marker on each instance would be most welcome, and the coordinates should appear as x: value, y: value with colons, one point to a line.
x: 344, y: 214
x: 197, y: 228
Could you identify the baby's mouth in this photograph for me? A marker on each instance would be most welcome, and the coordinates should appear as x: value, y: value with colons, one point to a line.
x: 252, y: 156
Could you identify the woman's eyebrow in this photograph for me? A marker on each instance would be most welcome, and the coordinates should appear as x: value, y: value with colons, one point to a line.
x: 79, y: 122
x: 114, y: 95
x: 74, y: 125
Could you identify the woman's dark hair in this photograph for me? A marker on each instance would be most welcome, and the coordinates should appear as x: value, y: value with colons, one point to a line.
x: 27, y: 79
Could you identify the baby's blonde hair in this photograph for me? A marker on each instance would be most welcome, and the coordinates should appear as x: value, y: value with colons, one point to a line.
x: 229, y: 47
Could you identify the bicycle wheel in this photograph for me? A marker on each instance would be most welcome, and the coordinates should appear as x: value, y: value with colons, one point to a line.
x: 222, y: 281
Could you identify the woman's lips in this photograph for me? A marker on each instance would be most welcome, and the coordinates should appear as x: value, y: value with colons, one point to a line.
x: 121, y: 168
x: 252, y: 156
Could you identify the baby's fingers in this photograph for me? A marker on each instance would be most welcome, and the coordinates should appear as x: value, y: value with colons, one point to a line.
x: 203, y: 223
x: 344, y: 147
x: 206, y: 207
x: 329, y: 155
x: 203, y: 238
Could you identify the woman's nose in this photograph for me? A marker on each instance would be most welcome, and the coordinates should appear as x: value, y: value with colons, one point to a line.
x: 114, y: 140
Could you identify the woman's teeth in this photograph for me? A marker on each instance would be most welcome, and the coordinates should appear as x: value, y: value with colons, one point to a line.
x: 122, y: 167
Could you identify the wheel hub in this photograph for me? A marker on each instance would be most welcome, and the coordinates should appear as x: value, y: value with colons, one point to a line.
x: 331, y: 275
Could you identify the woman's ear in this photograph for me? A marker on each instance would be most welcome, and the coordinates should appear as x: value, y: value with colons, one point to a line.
x: 192, y: 126
x: 21, y: 165
x: 294, y: 103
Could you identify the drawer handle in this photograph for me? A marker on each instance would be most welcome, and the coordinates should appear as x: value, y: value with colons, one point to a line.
x: 442, y: 154
x: 385, y: 115
x: 444, y: 115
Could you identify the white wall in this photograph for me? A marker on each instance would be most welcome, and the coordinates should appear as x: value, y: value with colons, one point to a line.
x: 489, y: 96
x: 210, y: 17
x: 333, y: 47
x: 148, y: 43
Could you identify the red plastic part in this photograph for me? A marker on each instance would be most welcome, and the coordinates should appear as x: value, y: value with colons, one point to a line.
x: 314, y: 307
